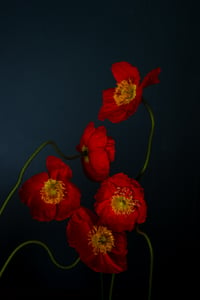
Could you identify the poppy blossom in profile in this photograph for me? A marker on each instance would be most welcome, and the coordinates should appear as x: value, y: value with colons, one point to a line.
x: 121, y: 102
x: 101, y: 249
x: 51, y: 195
x: 120, y: 202
x: 98, y: 151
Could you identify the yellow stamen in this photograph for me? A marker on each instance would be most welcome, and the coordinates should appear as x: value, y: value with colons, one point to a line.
x: 101, y: 239
x: 85, y: 150
x: 123, y: 202
x: 125, y: 92
x: 53, y: 191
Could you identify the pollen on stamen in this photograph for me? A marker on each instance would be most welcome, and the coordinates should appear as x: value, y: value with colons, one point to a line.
x: 101, y: 239
x: 53, y: 191
x: 125, y: 92
x: 123, y: 201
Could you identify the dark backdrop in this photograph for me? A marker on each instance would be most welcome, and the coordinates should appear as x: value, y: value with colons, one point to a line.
x: 55, y: 60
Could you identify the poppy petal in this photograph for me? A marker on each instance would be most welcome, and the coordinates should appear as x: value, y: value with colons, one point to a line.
x: 98, y: 138
x: 151, y: 78
x: 31, y: 186
x: 42, y: 211
x: 71, y: 202
x: 87, y: 133
x: 57, y: 168
x: 124, y: 71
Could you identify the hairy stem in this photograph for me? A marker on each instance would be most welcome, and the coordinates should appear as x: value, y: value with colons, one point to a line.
x: 111, y: 286
x: 151, y: 259
x: 27, y: 163
x: 148, y: 152
x: 46, y: 248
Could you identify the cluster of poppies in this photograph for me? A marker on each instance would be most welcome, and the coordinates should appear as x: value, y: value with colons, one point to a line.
x: 99, y: 235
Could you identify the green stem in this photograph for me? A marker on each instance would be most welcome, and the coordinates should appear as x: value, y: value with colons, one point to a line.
x: 48, y: 251
x: 151, y: 115
x: 111, y: 286
x: 151, y: 260
x: 27, y: 163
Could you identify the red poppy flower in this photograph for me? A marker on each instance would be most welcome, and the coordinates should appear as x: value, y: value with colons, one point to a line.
x: 120, y: 203
x: 98, y: 151
x: 98, y: 246
x: 121, y: 102
x: 51, y: 195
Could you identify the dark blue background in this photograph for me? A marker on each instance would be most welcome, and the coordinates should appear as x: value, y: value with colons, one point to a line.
x: 55, y: 60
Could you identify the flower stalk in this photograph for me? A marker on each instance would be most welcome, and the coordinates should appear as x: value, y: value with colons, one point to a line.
x: 151, y: 259
x: 35, y: 242
x: 149, y: 146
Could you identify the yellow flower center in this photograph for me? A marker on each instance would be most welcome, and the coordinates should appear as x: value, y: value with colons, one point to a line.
x: 122, y: 201
x: 53, y: 191
x: 125, y: 92
x: 101, y: 239
x: 84, y: 149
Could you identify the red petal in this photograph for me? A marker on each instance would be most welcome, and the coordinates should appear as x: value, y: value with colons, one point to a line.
x: 124, y: 71
x: 142, y: 212
x: 31, y: 186
x: 118, y: 223
x: 98, y: 138
x: 88, y: 131
x: 78, y: 228
x: 71, y: 202
x: 57, y: 168
x: 42, y: 211
x: 110, y: 148
x: 151, y: 78
x: 110, y: 110
x: 99, y: 161
x: 120, y: 179
x: 115, y: 115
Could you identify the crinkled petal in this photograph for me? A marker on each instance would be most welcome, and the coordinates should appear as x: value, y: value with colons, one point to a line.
x: 124, y: 71
x: 110, y: 148
x: 115, y: 113
x: 31, y: 187
x: 71, y: 202
x: 57, y: 169
x: 78, y: 228
x: 98, y: 139
x: 99, y: 162
x: 40, y: 210
x: 151, y: 78
x: 87, y: 133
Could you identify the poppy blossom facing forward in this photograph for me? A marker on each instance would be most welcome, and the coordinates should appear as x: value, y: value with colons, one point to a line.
x: 120, y: 203
x: 51, y: 195
x: 98, y: 151
x: 121, y: 102
x: 101, y: 249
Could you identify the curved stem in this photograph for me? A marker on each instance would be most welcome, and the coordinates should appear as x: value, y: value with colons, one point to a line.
x: 151, y: 260
x: 111, y: 286
x: 27, y: 163
x: 48, y: 251
x: 143, y: 169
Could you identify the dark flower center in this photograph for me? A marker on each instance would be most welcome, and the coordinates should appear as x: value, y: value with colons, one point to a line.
x: 101, y: 239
